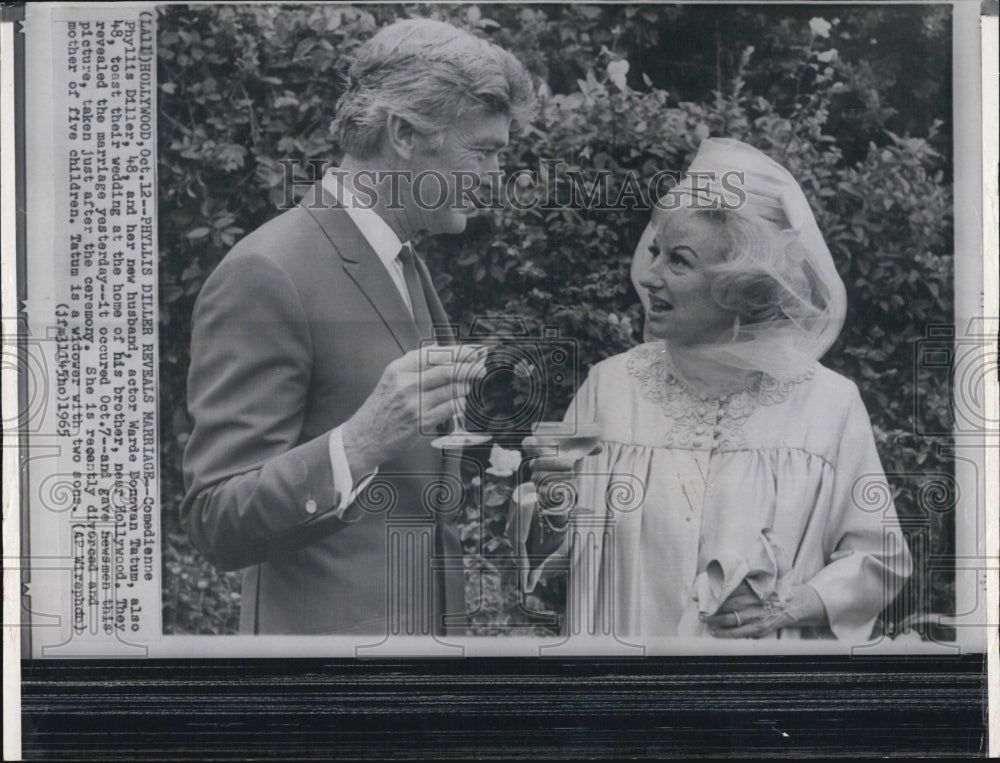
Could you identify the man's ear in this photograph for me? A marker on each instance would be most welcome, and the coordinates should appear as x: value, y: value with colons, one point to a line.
x: 400, y: 136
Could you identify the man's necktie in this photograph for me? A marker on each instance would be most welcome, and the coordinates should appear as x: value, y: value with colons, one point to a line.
x: 448, y: 561
x: 421, y: 314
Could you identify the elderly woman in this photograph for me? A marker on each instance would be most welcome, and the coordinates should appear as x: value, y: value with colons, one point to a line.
x: 727, y: 498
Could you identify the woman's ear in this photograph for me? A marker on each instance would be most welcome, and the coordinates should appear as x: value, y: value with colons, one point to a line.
x: 401, y: 137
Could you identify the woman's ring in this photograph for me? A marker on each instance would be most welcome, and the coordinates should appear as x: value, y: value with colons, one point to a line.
x: 739, y: 622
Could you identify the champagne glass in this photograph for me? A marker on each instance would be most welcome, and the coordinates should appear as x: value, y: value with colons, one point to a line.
x: 469, y: 361
x: 570, y: 439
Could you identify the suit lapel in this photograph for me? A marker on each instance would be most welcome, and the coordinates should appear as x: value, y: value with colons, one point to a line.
x: 363, y: 266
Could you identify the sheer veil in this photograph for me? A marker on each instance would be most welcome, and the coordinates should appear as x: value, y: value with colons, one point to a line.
x: 778, y: 243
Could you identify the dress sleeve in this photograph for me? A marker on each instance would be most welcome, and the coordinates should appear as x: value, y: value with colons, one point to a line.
x: 583, y: 407
x: 867, y: 556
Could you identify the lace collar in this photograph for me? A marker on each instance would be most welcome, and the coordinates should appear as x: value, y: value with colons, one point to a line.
x: 703, y: 419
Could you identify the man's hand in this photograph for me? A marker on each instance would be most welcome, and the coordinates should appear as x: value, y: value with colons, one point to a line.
x: 421, y: 389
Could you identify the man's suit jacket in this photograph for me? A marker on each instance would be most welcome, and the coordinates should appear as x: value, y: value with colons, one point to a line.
x: 291, y: 333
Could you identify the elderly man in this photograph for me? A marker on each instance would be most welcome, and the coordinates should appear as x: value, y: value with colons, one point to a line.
x: 306, y: 376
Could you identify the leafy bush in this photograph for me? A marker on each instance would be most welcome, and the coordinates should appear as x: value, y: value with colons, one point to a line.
x: 491, y: 569
x: 244, y: 87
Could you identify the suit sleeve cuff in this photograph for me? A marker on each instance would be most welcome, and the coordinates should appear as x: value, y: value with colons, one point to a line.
x: 343, y: 480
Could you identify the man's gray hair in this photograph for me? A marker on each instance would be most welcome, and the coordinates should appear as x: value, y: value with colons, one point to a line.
x: 429, y: 73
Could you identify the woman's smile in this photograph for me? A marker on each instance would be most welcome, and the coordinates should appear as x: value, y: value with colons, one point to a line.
x: 658, y: 305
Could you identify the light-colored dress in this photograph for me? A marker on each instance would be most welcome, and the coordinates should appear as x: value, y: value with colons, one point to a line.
x: 780, y: 481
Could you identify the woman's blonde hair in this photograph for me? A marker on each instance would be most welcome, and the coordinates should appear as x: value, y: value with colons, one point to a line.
x: 764, y: 278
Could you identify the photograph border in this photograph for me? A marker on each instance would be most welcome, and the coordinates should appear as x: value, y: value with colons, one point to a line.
x: 541, y: 707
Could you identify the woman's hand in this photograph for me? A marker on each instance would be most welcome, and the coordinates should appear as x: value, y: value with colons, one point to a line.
x: 553, y: 477
x: 552, y: 499
x: 744, y: 615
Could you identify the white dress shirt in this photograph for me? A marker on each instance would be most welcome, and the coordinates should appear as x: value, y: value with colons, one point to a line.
x: 376, y: 231
x: 387, y: 246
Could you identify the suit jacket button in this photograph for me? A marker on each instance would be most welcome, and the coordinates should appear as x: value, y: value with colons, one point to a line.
x: 310, y: 506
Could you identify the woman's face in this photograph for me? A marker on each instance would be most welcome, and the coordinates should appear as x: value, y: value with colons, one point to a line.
x: 677, y: 281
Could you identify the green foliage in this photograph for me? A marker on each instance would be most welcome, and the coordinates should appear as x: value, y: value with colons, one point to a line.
x: 197, y: 598
x: 863, y: 126
x: 491, y: 571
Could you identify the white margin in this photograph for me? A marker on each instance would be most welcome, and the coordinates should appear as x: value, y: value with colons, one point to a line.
x: 11, y: 494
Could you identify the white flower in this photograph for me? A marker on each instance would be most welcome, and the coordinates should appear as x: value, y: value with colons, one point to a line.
x: 827, y: 55
x: 820, y: 27
x: 616, y: 73
x: 503, y: 462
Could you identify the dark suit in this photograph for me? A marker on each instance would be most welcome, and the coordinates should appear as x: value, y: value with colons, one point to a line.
x: 291, y: 333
